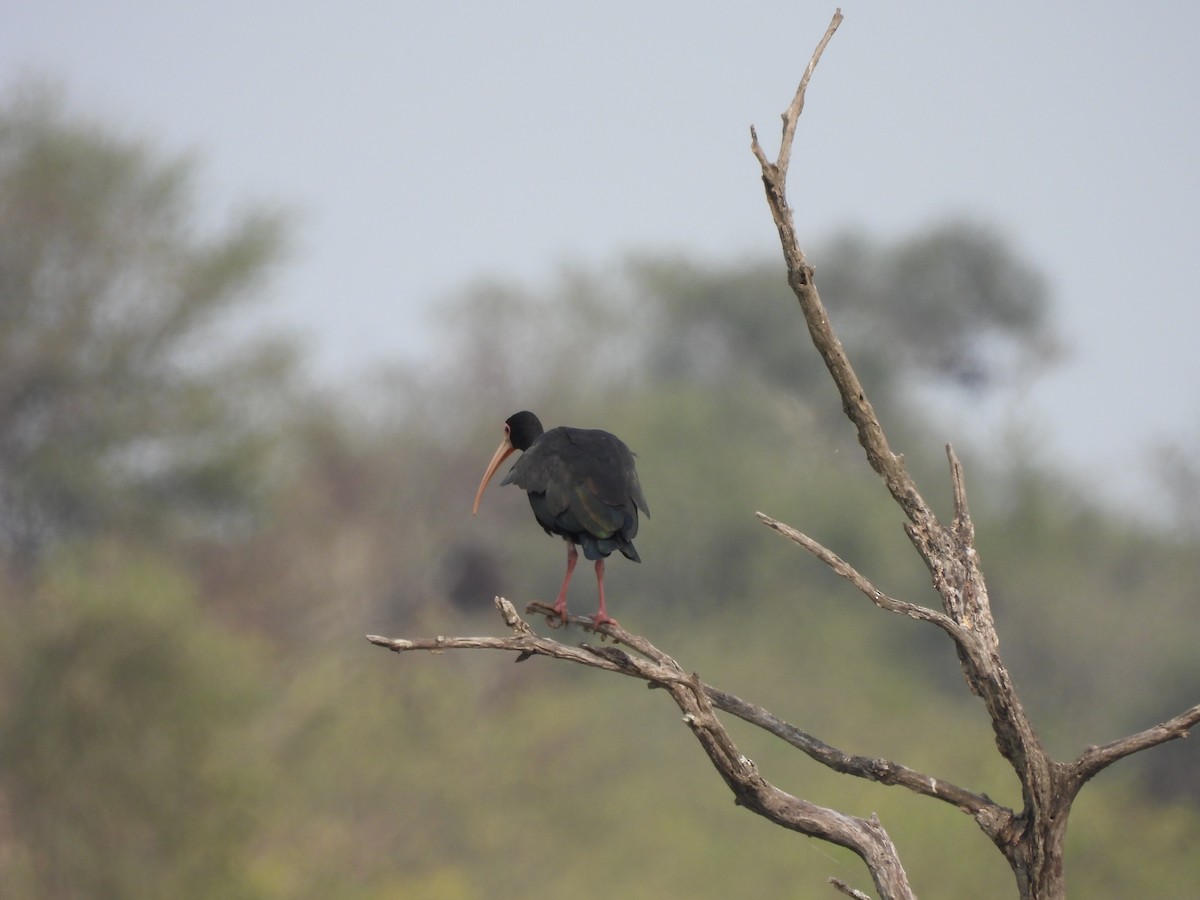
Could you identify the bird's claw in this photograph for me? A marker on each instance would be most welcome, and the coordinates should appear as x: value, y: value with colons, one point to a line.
x: 598, y: 620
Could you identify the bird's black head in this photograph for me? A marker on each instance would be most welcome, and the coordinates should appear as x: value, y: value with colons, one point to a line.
x: 523, y: 429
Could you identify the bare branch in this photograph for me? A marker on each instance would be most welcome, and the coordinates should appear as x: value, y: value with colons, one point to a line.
x: 792, y: 116
x: 889, y: 465
x: 660, y: 670
x: 860, y: 581
x: 985, y: 673
x: 1096, y: 759
x: 865, y: 837
x: 964, y: 529
x: 847, y: 890
x: 991, y: 816
x: 526, y: 643
x: 611, y: 630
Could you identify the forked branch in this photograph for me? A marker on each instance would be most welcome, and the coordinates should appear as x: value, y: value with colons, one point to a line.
x: 698, y: 702
x: 855, y: 404
x: 1033, y: 841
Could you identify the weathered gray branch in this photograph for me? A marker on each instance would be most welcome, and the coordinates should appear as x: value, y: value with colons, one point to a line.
x: 698, y: 702
x: 847, y: 890
x: 1033, y: 839
x: 659, y: 669
x: 1096, y: 759
x: 876, y: 596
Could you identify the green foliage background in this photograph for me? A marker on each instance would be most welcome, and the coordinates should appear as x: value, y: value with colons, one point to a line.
x: 195, y: 543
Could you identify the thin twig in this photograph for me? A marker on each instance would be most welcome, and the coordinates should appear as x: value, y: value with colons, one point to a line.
x: 964, y: 530
x: 1095, y: 759
x: 889, y: 465
x: 526, y: 643
x: 864, y: 584
x: 792, y: 116
x: 849, y: 891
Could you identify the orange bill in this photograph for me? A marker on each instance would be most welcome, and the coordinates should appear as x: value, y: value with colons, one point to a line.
x: 502, y: 453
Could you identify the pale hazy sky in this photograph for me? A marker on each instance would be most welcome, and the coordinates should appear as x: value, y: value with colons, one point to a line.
x: 427, y: 144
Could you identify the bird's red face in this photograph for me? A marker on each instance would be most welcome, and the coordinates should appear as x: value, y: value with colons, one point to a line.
x: 502, y: 453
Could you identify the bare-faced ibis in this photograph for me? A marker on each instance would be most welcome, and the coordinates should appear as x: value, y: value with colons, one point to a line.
x: 582, y: 486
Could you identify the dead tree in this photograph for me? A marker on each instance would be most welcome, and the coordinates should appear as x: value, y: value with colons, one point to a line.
x: 1032, y: 837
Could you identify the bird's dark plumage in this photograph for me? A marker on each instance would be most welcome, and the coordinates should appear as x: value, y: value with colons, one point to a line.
x: 582, y: 486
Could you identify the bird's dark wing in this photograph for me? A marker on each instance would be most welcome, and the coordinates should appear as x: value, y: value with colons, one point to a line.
x: 588, y: 481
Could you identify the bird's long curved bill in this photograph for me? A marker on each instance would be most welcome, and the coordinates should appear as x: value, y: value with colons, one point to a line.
x: 501, y: 454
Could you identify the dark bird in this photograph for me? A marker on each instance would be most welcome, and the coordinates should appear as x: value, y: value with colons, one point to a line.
x: 582, y: 486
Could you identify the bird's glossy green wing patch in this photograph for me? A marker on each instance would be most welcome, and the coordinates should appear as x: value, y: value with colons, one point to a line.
x: 594, y: 514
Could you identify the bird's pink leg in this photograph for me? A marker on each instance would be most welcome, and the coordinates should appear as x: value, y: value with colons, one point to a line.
x: 560, y: 605
x: 602, y: 617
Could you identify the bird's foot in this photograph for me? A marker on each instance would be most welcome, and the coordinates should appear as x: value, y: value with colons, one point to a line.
x: 554, y: 617
x: 560, y: 609
x: 603, y: 618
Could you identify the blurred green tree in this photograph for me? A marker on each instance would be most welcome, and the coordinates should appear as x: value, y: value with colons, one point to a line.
x: 149, y: 748
x: 125, y: 768
x: 955, y: 302
x: 116, y: 407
